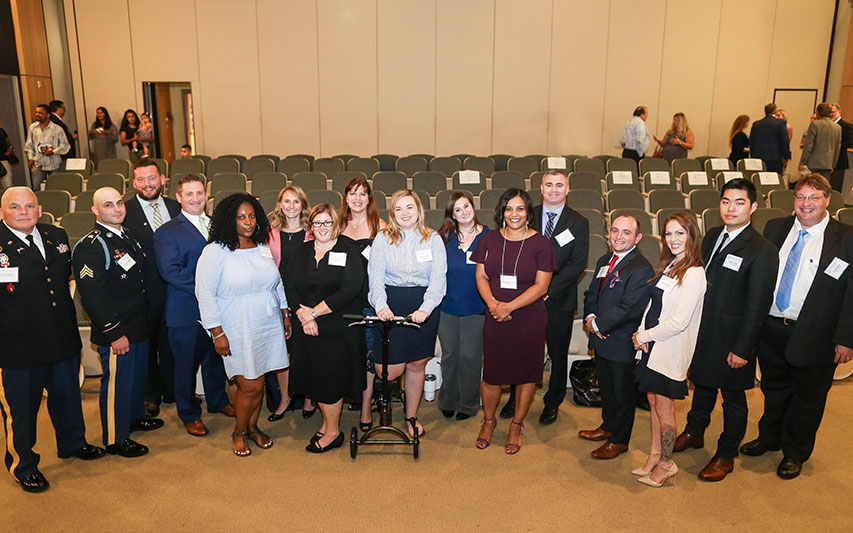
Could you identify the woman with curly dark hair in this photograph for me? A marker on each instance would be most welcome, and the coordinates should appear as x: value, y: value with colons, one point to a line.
x: 240, y: 293
x: 129, y: 136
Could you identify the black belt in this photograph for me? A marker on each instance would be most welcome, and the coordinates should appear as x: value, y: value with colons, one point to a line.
x: 785, y: 321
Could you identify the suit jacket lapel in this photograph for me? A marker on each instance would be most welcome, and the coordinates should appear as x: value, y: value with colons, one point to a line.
x: 830, y: 238
x: 50, y: 250
x: 136, y: 205
x: 190, y: 227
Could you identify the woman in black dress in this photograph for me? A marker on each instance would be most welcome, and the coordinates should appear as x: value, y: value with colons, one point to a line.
x: 738, y: 140
x: 358, y: 225
x: 328, y: 360
x: 128, y: 136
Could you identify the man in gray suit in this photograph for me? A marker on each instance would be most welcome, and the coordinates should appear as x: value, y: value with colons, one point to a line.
x: 822, y: 144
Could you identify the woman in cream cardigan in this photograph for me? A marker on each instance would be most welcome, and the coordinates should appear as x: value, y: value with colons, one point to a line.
x: 667, y: 337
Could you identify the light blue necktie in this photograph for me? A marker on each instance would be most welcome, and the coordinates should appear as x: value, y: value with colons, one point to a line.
x: 783, y: 296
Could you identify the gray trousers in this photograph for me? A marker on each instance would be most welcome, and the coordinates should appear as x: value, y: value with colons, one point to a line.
x: 461, y: 340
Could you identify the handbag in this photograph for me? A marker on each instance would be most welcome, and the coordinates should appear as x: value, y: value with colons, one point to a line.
x: 657, y: 152
x: 584, y: 380
x: 10, y: 156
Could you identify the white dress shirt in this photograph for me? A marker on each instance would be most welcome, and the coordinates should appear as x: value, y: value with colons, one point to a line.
x: 197, y: 220
x: 619, y: 257
x: 732, y: 236
x: 809, y: 262
x: 149, y: 211
x: 36, y: 238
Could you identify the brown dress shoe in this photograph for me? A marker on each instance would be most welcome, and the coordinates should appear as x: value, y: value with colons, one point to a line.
x: 717, y: 469
x: 609, y: 450
x: 229, y: 411
x: 686, y: 440
x: 196, y: 428
x: 594, y: 434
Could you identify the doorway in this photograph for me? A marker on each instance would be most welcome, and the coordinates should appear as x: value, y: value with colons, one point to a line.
x: 170, y: 106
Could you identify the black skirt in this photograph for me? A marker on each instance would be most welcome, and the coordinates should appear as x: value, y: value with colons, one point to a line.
x: 407, y: 344
x: 649, y: 380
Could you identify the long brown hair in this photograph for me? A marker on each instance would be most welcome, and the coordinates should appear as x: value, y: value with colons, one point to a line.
x: 450, y: 225
x: 393, y: 231
x: 278, y: 219
x: 693, y: 250
x: 739, y: 124
x: 345, y: 214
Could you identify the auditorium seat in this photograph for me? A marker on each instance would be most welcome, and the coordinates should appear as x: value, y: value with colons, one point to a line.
x: 345, y: 158
x: 423, y: 196
x: 469, y: 180
x: 641, y: 215
x: 318, y: 196
x: 595, y: 219
x: 162, y: 165
x: 83, y: 202
x: 624, y: 198
x: 587, y: 164
x: 237, y: 157
x: 620, y: 163
x: 483, y: 165
x: 585, y: 198
x: 585, y: 180
x: 86, y: 172
x: 268, y: 200
x: 272, y: 157
x: 555, y: 163
x: 368, y: 165
x: 661, y: 198
x: 433, y: 218
x: 121, y: 166
x: 721, y: 178
x: 255, y: 165
x: 525, y: 165
x: 445, y: 165
x: 411, y: 164
x: 268, y: 181
x: 764, y: 214
x: 622, y: 179
x: 221, y: 195
x: 105, y: 179
x: 222, y: 164
x: 845, y: 215
x: 186, y: 166
x: 701, y: 199
x: 507, y: 179
x: 57, y: 203
x: 782, y: 199
x: 389, y: 182
x: 306, y: 157
x: 428, y: 180
x: 649, y: 164
x: 685, y: 165
x: 501, y: 161
x: 205, y: 159
x: 649, y: 247
x: 717, y: 164
x: 489, y: 198
x: 836, y: 202
x: 289, y: 166
x: 767, y: 181
x: 340, y: 180
x: 711, y: 218
x: 227, y: 181
x: 328, y: 166
x: 695, y: 179
x: 309, y: 181
x: 65, y: 181
x: 597, y: 247
x: 77, y: 225
x: 658, y: 179
x: 387, y: 162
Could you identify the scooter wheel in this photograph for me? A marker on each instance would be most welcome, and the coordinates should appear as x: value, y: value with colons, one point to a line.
x: 353, y: 443
x: 416, y: 445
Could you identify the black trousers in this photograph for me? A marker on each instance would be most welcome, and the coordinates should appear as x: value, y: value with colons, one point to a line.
x: 558, y: 334
x: 735, y: 417
x: 618, y: 398
x: 794, y: 397
x: 631, y: 154
x: 836, y: 179
x: 161, y: 363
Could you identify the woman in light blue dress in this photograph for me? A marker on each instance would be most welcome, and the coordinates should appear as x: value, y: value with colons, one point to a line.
x: 242, y: 304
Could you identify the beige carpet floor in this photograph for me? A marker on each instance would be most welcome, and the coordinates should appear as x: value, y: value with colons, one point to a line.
x: 196, y: 484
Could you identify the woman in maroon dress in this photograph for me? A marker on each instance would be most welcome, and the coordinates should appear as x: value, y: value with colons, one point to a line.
x: 514, y: 270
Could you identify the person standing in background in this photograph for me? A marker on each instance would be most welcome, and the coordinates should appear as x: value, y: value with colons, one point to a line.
x: 738, y: 141
x: 7, y: 152
x: 129, y: 135
x: 635, y: 136
x: 822, y: 144
x: 677, y: 140
x: 46, y: 143
x: 768, y: 141
x: 836, y: 180
x: 104, y: 135
x: 57, y: 113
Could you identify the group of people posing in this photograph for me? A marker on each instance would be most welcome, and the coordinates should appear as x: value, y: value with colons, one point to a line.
x: 250, y: 297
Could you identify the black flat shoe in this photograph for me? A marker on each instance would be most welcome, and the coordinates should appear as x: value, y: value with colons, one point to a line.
x: 86, y: 453
x: 315, y: 447
x: 448, y: 413
x: 146, y: 424
x: 127, y: 448
x: 548, y: 416
x: 274, y: 417
x: 308, y: 414
x: 754, y: 448
x: 789, y: 468
x: 462, y: 416
x: 315, y: 437
x: 34, y: 482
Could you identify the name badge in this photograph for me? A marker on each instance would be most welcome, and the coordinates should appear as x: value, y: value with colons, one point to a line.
x: 366, y: 252
x: 9, y: 275
x: 338, y: 259
x: 126, y: 262
x: 602, y: 272
x: 666, y: 283
x: 265, y: 252
x: 836, y: 268
x: 423, y: 256
x: 468, y: 258
x: 733, y: 262
x: 564, y: 238
x: 509, y: 282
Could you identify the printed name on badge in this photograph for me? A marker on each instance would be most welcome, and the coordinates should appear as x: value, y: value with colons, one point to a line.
x: 366, y: 252
x: 126, y: 262
x: 602, y: 272
x: 665, y: 283
x: 265, y: 252
x: 836, y: 268
x: 733, y: 262
x: 338, y: 259
x: 564, y: 238
x: 509, y: 282
x: 9, y: 275
x: 468, y: 258
x: 423, y: 256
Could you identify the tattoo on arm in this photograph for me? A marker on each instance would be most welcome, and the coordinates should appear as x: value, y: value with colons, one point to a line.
x: 667, y: 441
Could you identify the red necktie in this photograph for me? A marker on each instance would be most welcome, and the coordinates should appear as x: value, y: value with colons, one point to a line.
x: 610, y: 266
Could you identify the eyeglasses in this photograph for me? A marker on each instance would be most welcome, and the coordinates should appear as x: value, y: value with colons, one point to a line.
x: 324, y: 224
x: 812, y: 198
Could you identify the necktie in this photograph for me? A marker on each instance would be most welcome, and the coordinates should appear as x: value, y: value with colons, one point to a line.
x: 610, y: 266
x: 158, y: 218
x: 33, y: 248
x: 203, y: 226
x: 786, y: 283
x: 549, y: 226
x: 718, y: 248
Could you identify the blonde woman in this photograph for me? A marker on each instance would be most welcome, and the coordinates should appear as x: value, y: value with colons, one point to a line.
x: 407, y: 270
x: 738, y: 139
x: 783, y: 115
x: 288, y: 230
x: 677, y: 140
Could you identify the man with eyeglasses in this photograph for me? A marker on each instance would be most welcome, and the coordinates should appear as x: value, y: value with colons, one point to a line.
x: 810, y: 327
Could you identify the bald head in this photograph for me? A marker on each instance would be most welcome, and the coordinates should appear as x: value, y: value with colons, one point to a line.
x: 108, y: 207
x: 20, y: 208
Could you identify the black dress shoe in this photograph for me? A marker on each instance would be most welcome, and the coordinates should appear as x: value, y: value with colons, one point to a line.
x: 34, y: 482
x: 462, y: 416
x: 315, y: 447
x: 548, y: 416
x: 146, y: 424
x: 127, y: 448
x: 508, y: 410
x: 789, y: 468
x: 308, y: 414
x: 755, y: 448
x: 87, y: 453
x: 448, y: 413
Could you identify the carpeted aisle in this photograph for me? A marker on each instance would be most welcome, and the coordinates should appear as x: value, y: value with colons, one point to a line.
x: 196, y: 484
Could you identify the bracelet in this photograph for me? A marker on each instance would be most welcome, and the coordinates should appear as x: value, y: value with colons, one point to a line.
x: 286, y: 315
x: 220, y: 335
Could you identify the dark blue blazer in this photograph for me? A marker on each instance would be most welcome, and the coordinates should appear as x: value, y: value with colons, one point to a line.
x: 177, y: 247
x: 768, y: 140
x: 620, y: 305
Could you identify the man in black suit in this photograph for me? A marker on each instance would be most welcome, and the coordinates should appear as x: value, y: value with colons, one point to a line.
x: 614, y: 304
x: 146, y: 212
x: 810, y: 327
x: 836, y: 180
x: 768, y: 140
x: 568, y: 232
x: 40, y: 340
x: 741, y: 267
x: 57, y: 112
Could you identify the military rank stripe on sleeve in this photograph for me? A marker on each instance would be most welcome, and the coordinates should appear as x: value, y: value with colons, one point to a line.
x: 86, y: 271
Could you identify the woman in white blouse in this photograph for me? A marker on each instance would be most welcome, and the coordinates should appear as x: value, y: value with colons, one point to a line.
x: 406, y: 273
x: 667, y: 337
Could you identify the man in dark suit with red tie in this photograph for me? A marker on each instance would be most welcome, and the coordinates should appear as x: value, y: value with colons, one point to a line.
x: 740, y: 266
x: 810, y: 327
x: 614, y: 304
x: 146, y: 212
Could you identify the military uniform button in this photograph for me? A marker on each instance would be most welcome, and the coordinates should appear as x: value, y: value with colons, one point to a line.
x: 45, y: 268
x: 51, y: 291
x: 48, y: 280
x: 54, y: 304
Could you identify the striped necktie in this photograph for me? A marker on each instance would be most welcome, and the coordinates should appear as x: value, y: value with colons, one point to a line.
x: 158, y: 218
x: 549, y: 226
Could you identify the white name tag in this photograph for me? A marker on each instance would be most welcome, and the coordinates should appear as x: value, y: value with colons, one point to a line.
x: 564, y: 238
x: 126, y: 262
x: 423, y: 256
x: 468, y: 259
x: 835, y: 269
x: 719, y: 164
x: 337, y: 259
x: 508, y: 282
x: 75, y: 163
x: 265, y: 252
x: 366, y: 252
x: 602, y: 272
x: 733, y: 262
x: 556, y: 162
x: 469, y: 177
x: 665, y: 283
x: 9, y: 275
x: 729, y: 176
x: 752, y: 164
x: 622, y: 177
x: 697, y: 178
x: 658, y: 177
x: 768, y: 178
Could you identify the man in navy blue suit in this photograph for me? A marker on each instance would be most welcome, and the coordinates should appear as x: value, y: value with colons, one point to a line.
x: 768, y: 140
x: 178, y: 245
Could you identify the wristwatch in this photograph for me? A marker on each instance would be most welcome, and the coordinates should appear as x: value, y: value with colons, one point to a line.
x: 313, y: 314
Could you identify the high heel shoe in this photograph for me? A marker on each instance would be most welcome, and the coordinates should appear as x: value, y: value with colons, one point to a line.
x: 482, y: 443
x: 670, y: 470
x: 641, y: 472
x: 308, y: 414
x: 244, y: 436
x: 275, y: 417
x: 365, y: 426
x: 512, y: 449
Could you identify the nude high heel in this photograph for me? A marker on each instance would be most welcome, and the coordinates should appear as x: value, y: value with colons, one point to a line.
x: 641, y: 472
x: 671, y: 470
